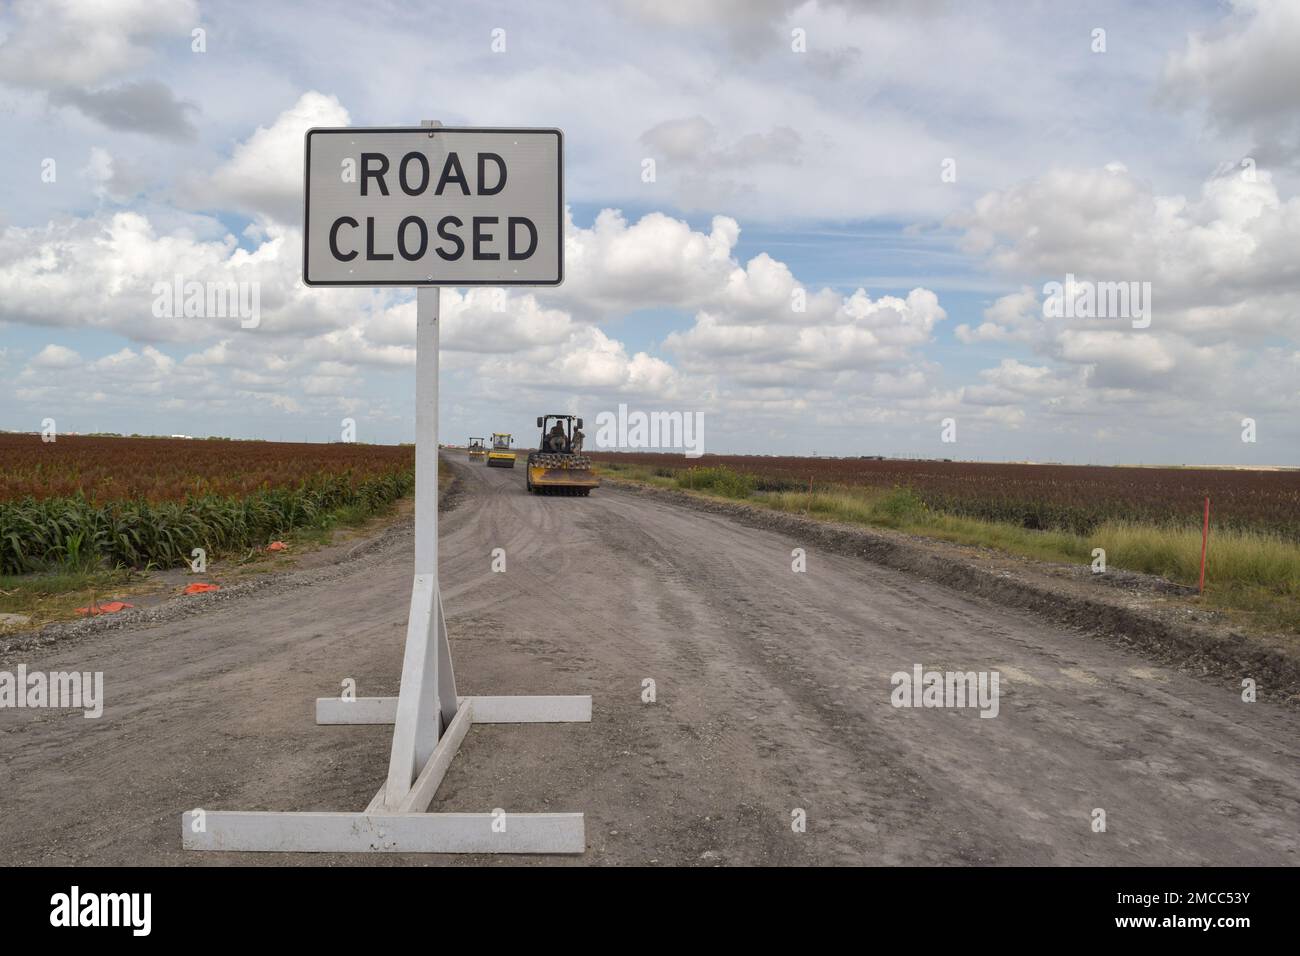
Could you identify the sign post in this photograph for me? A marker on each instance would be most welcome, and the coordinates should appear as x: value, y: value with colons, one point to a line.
x: 423, y: 206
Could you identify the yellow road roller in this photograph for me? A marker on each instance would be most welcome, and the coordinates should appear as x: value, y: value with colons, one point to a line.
x: 558, y: 467
x: 476, y: 449
x: 500, y: 455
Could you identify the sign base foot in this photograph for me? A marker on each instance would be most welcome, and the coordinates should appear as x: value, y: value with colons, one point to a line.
x: 406, y: 827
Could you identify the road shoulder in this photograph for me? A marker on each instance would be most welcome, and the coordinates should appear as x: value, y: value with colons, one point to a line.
x: 1135, y: 611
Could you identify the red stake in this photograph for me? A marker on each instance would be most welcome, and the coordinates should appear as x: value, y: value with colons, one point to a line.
x: 1205, y: 541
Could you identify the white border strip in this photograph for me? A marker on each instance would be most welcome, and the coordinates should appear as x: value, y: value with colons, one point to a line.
x: 487, y: 710
x: 387, y: 833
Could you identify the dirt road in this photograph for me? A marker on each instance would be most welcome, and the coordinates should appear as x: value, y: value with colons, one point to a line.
x: 773, y: 694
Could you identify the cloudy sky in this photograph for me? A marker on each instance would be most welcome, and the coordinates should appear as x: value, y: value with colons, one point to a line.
x: 920, y: 171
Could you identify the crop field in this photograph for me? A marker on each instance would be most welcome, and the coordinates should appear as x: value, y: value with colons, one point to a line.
x: 133, y: 502
x: 1072, y: 498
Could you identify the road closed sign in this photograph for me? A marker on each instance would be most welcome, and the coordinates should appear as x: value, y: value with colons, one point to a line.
x: 436, y: 205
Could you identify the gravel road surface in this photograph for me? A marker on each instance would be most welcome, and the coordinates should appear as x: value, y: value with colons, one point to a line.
x: 772, y: 695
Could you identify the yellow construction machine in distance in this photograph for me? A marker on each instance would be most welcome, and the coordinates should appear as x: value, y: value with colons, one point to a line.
x: 558, y: 466
x: 476, y: 449
x: 500, y: 455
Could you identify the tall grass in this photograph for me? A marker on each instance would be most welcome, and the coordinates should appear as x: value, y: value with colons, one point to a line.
x: 1246, y: 558
x: 719, y: 481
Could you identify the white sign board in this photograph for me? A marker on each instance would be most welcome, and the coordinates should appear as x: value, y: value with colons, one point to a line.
x: 435, y: 205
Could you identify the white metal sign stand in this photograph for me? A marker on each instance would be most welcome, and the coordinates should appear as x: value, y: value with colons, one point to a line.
x: 429, y: 720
